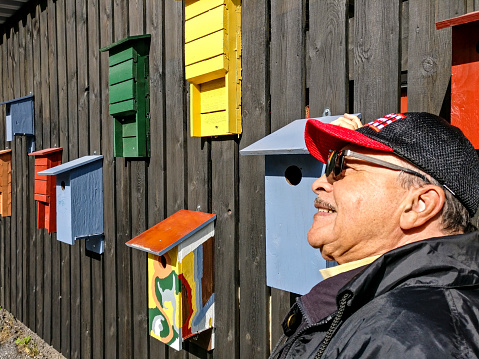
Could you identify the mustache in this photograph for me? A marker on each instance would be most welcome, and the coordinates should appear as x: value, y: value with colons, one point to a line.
x: 322, y: 203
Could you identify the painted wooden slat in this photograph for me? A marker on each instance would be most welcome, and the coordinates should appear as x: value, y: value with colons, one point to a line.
x: 195, y: 8
x: 204, y: 24
x: 122, y: 72
x: 205, y: 48
x: 207, y: 70
x: 213, y: 96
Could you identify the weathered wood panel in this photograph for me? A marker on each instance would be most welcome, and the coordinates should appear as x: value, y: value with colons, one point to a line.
x: 254, y: 341
x: 376, y: 57
x: 328, y: 53
x: 295, y: 53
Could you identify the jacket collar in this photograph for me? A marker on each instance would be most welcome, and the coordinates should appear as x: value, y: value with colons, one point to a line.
x: 448, y: 261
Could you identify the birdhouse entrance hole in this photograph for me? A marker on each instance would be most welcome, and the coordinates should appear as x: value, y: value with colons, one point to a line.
x: 63, y: 185
x: 293, y: 175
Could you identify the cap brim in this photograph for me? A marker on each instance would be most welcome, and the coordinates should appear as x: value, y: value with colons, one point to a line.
x: 321, y: 137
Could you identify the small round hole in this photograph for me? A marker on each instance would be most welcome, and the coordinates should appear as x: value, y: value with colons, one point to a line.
x: 293, y: 175
x: 163, y: 261
x: 63, y: 185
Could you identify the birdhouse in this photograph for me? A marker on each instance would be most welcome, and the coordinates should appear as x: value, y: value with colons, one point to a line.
x: 6, y: 183
x: 20, y: 115
x: 129, y: 99
x: 213, y: 66
x: 45, y: 191
x: 79, y: 192
x: 180, y: 277
x: 465, y: 73
x: 289, y: 207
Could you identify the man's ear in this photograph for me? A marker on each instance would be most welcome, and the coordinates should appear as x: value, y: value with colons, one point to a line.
x: 421, y: 205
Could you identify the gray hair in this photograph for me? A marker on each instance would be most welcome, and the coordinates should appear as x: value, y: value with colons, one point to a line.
x: 455, y: 218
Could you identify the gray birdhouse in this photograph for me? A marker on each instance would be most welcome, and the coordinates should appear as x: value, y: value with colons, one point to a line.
x: 79, y: 191
x: 289, y: 207
x: 20, y: 117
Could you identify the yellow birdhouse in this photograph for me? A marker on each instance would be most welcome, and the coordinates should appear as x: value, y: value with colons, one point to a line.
x: 213, y: 66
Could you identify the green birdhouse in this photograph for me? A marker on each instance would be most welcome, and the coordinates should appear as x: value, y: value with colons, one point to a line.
x: 129, y: 95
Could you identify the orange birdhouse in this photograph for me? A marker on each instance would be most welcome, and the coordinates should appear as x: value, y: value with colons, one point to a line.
x: 45, y: 190
x: 465, y: 73
x: 6, y: 183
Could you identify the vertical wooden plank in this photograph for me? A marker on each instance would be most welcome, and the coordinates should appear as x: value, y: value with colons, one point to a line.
x: 2, y: 223
x: 109, y: 190
x: 22, y: 200
x: 31, y: 204
x: 288, y: 101
x: 288, y: 61
x: 224, y: 153
x: 175, y: 116
x: 156, y: 169
x: 37, y: 85
x: 84, y: 268
x: 429, y: 57
x: 139, y: 192
x: 65, y: 303
x: 54, y: 142
x: 254, y: 336
x: 47, y: 244
x: 328, y: 52
x: 377, y: 57
x: 7, y: 220
x: 16, y: 184
x: 123, y: 220
x: 73, y: 153
x: 95, y: 137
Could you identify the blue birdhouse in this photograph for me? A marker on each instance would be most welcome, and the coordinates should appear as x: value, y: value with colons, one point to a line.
x: 79, y: 191
x: 20, y: 117
x: 289, y: 207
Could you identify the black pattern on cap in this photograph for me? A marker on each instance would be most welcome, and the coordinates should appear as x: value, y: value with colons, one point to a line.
x: 436, y: 147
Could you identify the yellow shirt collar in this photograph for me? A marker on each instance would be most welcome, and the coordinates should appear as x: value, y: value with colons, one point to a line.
x: 330, y: 272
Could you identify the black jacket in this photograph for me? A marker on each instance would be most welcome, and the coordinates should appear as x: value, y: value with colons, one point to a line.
x: 417, y: 301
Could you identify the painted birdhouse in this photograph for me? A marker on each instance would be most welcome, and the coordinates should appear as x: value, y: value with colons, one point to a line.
x: 180, y: 277
x: 20, y: 117
x: 465, y: 73
x: 45, y: 191
x: 6, y: 183
x: 289, y: 207
x: 213, y: 66
x: 79, y: 192
x: 128, y: 86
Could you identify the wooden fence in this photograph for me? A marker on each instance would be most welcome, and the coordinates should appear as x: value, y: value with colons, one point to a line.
x: 346, y: 55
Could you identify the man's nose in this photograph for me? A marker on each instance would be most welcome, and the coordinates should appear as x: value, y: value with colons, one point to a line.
x: 322, y: 184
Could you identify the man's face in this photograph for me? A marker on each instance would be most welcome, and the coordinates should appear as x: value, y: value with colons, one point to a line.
x: 358, y: 212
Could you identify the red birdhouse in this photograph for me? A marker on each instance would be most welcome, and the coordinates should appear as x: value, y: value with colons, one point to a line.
x: 465, y: 73
x: 45, y: 190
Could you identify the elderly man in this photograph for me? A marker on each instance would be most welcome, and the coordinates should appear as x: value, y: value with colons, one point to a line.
x: 394, y: 210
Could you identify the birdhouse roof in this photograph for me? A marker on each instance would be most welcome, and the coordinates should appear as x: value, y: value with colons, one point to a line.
x: 458, y: 20
x: 170, y: 232
x: 4, y: 152
x: 20, y: 99
x: 82, y: 161
x: 46, y: 151
x: 288, y: 140
x: 124, y: 41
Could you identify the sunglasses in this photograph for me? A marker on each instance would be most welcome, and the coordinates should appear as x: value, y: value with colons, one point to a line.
x: 336, y: 163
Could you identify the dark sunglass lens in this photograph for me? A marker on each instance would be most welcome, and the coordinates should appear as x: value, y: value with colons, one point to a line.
x: 338, y: 164
x: 331, y: 163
